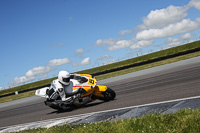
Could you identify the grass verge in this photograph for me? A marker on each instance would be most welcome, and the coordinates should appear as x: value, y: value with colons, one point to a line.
x: 184, y: 121
x: 15, y: 97
x: 159, y: 63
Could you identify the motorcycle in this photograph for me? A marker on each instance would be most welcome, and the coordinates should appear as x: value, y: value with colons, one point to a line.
x: 90, y: 92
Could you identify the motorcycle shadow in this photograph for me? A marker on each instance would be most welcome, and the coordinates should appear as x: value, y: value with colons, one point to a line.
x: 76, y: 108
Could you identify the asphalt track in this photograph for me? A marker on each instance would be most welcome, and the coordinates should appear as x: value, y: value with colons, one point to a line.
x: 168, y: 84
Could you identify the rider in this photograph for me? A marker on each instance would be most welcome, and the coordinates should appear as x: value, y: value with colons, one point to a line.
x: 62, y: 88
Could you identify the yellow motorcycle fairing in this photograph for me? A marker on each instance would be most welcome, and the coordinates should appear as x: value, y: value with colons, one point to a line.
x: 98, y: 89
x: 91, y: 86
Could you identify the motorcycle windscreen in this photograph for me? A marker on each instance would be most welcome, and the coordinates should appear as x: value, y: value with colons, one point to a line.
x: 42, y: 92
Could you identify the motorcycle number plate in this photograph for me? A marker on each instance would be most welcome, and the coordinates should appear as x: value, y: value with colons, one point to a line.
x: 91, y: 81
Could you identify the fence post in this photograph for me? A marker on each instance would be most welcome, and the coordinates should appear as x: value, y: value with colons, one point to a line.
x: 16, y: 93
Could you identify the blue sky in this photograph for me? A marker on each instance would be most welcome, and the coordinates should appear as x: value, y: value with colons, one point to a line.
x: 38, y: 38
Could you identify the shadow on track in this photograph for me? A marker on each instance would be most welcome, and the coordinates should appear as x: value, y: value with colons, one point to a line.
x: 75, y: 108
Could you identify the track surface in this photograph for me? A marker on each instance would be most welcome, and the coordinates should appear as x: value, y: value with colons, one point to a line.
x: 174, y: 83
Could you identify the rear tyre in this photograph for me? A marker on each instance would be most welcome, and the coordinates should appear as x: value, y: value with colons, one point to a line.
x: 109, y: 94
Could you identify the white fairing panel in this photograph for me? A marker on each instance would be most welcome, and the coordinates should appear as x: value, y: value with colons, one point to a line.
x: 42, y: 92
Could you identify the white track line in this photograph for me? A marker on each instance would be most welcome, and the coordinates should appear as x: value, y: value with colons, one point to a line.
x: 143, y: 105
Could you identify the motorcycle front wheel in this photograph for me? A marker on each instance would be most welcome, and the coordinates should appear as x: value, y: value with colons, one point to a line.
x: 109, y: 94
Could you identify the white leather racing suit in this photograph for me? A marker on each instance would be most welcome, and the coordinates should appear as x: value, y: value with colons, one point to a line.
x: 65, y: 92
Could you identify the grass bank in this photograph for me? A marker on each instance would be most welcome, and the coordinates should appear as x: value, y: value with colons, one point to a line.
x: 15, y: 97
x: 154, y: 55
x: 114, y: 65
x: 184, y: 121
x: 159, y: 63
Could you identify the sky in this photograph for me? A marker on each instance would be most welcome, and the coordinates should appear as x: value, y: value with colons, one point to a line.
x: 39, y: 38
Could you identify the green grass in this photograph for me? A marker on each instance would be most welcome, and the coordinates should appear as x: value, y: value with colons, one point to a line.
x: 138, y: 68
x: 145, y: 57
x: 183, y: 121
x: 114, y: 65
x: 15, y: 97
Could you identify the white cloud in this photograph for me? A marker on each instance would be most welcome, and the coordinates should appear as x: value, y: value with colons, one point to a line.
x: 163, y: 17
x: 85, y: 61
x: 120, y: 44
x: 187, y: 36
x: 109, y: 42
x: 173, y: 41
x: 31, y: 75
x: 179, y: 41
x: 195, y: 3
x: 41, y: 71
x: 58, y: 62
x: 141, y: 44
x: 104, y: 57
x: 123, y: 32
x: 191, y: 41
x: 184, y: 26
x: 38, y: 71
x: 20, y: 80
x: 109, y: 62
x: 80, y: 51
x: 3, y: 88
x: 159, y: 22
x: 113, y: 44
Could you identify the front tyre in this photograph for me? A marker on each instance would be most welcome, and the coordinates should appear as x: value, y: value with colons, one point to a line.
x: 109, y: 94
